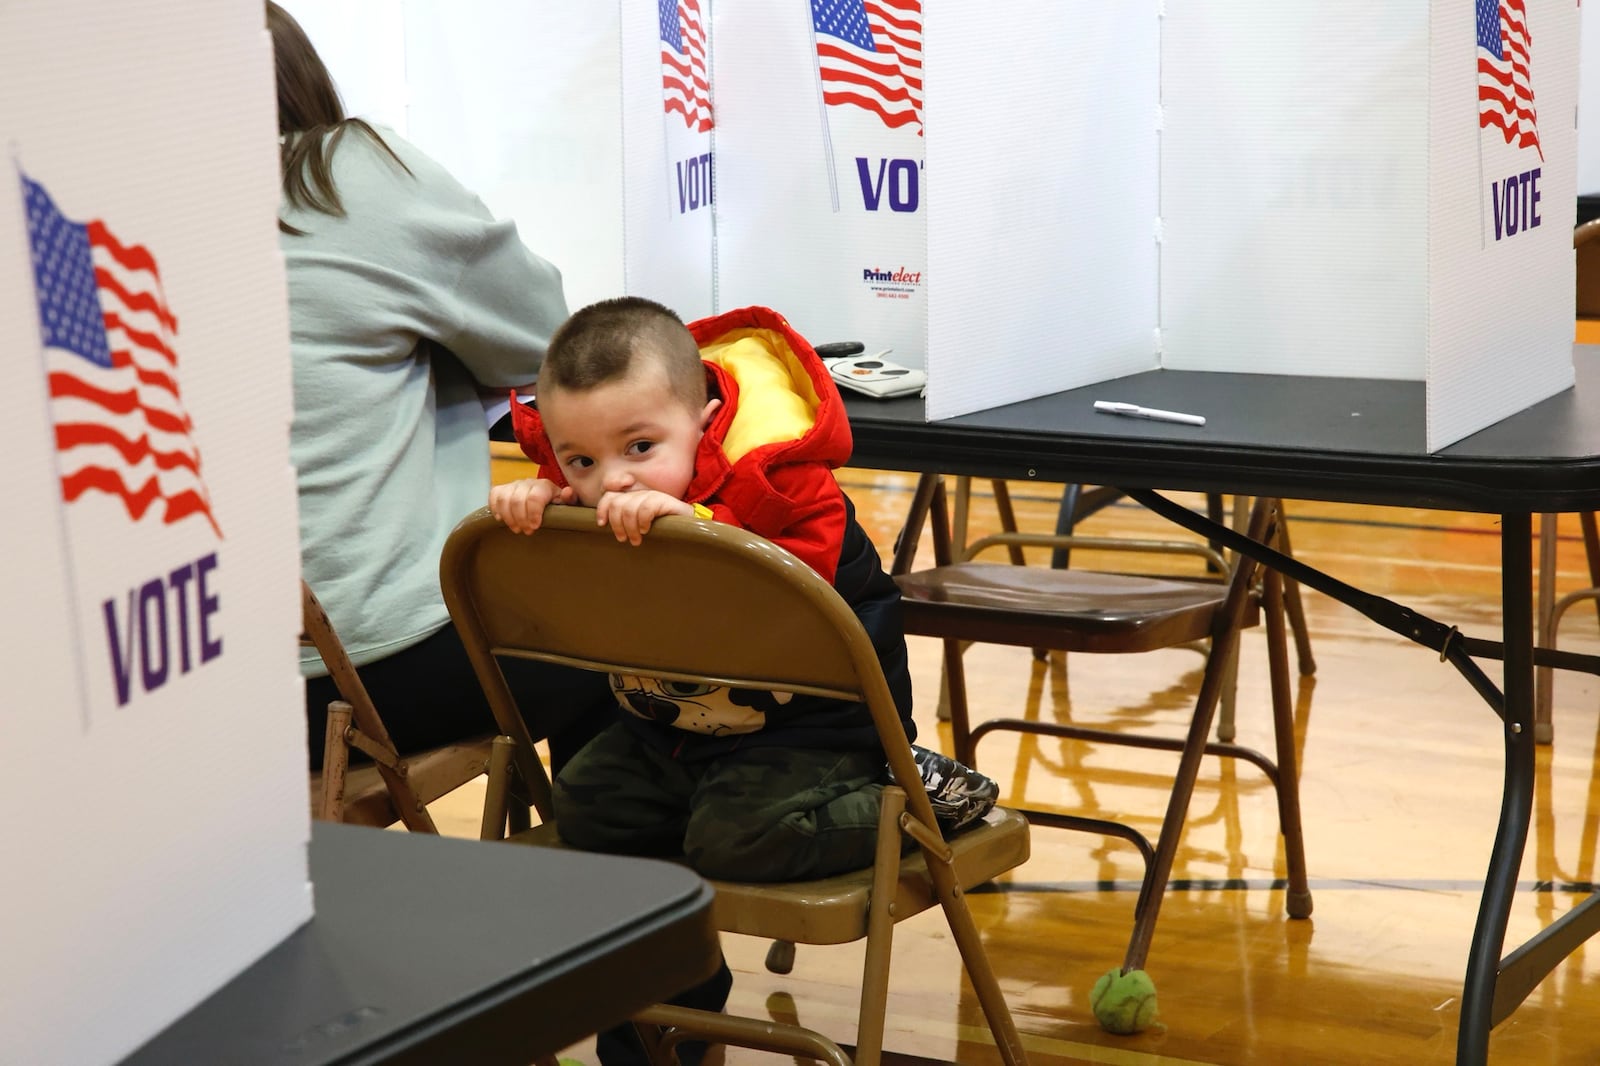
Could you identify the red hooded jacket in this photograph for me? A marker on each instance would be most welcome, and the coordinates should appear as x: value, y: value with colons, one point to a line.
x: 765, y: 462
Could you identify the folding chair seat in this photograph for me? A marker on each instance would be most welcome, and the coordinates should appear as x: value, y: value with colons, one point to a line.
x: 1087, y: 611
x: 1078, y: 502
x: 573, y: 594
x: 392, y: 788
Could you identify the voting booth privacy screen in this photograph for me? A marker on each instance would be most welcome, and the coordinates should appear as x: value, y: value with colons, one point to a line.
x: 156, y: 767
x: 1375, y: 190
x: 1044, y: 194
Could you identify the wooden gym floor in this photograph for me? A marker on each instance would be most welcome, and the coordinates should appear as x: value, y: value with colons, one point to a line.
x: 1400, y: 787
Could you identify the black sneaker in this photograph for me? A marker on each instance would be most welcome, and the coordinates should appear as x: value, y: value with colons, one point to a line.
x: 960, y: 794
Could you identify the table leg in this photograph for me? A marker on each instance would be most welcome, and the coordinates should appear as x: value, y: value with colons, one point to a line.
x: 1505, y: 860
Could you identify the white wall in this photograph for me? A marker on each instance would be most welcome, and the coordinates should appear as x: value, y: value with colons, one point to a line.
x: 363, y: 43
x: 466, y: 84
x: 1589, y: 100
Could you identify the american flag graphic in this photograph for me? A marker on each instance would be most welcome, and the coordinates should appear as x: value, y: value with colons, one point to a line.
x: 869, y: 55
x: 121, y: 428
x: 1505, y: 91
x: 685, y: 88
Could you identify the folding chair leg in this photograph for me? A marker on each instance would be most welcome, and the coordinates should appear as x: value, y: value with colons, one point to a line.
x: 1298, y: 898
x: 1066, y: 518
x: 497, y: 792
x: 780, y: 957
x: 880, y: 930
x: 964, y: 931
x: 518, y: 816
x: 1148, y: 907
x: 412, y: 811
x: 1548, y: 634
x: 335, y: 761
x: 1591, y: 548
x: 960, y: 508
x: 1215, y: 511
x: 942, y: 711
x: 1227, y: 726
x: 1291, y: 601
x: 1223, y: 642
x: 905, y: 543
x: 955, y: 674
x: 1008, y: 524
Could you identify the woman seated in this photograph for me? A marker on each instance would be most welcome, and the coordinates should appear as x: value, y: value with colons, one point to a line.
x: 406, y: 297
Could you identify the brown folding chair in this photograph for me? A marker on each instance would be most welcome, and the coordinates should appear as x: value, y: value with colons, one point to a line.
x: 1079, y: 502
x: 1088, y: 611
x: 573, y: 594
x: 393, y: 788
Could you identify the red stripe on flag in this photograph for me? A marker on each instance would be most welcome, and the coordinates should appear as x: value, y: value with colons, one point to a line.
x: 121, y: 357
x: 135, y: 301
x: 894, y: 120
x: 892, y: 17
x: 65, y: 386
x: 131, y: 256
x: 136, y: 501
x: 831, y: 51
x: 187, y: 503
x: 74, y: 434
x: 140, y: 337
x: 852, y: 78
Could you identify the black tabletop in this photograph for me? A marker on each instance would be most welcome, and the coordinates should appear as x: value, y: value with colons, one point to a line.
x: 1348, y: 439
x: 431, y: 950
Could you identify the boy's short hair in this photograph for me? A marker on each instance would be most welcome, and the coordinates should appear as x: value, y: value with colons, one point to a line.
x: 602, y: 342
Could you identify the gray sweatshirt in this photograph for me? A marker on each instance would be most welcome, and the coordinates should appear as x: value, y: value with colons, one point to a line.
x: 398, y: 313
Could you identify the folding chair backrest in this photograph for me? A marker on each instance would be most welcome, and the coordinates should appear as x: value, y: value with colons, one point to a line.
x: 696, y: 601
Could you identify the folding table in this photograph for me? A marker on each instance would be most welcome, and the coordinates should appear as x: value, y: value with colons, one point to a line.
x: 1339, y: 439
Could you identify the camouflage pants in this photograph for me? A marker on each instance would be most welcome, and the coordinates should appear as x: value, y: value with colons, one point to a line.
x: 762, y: 814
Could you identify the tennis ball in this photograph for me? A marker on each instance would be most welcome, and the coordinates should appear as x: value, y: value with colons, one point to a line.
x: 1124, y: 1002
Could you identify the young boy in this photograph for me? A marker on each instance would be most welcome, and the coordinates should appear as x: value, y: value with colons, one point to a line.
x: 734, y: 419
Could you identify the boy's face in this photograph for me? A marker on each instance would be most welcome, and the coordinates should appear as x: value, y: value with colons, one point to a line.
x: 625, y: 435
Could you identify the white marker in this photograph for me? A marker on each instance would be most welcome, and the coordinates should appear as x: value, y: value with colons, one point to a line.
x: 1133, y: 410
